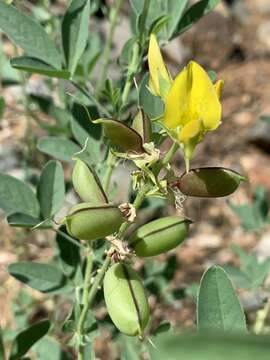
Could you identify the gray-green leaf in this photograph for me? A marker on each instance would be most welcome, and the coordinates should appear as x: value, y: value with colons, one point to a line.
x: 32, y: 65
x: 27, y: 338
x: 51, y: 188
x: 58, y: 147
x: 43, y: 277
x: 29, y: 35
x: 75, y: 32
x: 17, y: 196
x: 218, y: 306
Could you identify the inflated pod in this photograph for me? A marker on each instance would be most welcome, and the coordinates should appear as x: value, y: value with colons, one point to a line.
x: 87, y: 184
x: 159, y: 236
x: 89, y: 221
x: 126, y: 300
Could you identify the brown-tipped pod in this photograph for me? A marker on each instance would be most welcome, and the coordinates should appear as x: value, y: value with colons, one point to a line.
x: 126, y: 300
x: 159, y: 236
x: 89, y: 221
x: 87, y: 184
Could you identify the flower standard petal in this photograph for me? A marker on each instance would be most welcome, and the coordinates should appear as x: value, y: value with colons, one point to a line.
x: 160, y: 78
x: 203, y: 100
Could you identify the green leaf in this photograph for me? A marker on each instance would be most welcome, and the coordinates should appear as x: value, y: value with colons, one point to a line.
x: 152, y: 105
x: 49, y: 349
x: 203, y: 346
x: 193, y: 14
x: 58, y: 147
x: 2, y: 348
x: 75, y: 32
x: 209, y: 182
x: 17, y: 196
x: 43, y: 277
x: 51, y: 189
x: 218, y: 307
x: 29, y: 35
x: 129, y: 347
x: 27, y: 221
x: 2, y: 107
x: 27, y: 338
x: 33, y: 65
x: 85, y: 131
x: 175, y: 9
x: 69, y: 255
x: 253, y: 216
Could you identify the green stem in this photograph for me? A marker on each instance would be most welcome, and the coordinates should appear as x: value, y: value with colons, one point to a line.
x: 111, y: 162
x: 132, y: 70
x: 169, y: 155
x: 261, y: 318
x: 69, y: 238
x: 113, y: 17
x: 85, y: 303
x: 98, y: 280
x: 137, y: 203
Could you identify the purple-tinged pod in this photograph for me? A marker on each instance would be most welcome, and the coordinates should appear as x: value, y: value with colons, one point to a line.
x: 208, y: 182
x: 142, y: 125
x: 122, y: 136
x: 126, y: 300
x: 86, y: 183
x: 159, y: 236
x: 89, y: 221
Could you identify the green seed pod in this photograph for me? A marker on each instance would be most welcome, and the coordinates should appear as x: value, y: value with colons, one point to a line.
x: 142, y: 125
x: 122, y: 136
x: 87, y: 184
x: 89, y: 221
x: 159, y: 236
x: 209, y: 182
x: 126, y: 299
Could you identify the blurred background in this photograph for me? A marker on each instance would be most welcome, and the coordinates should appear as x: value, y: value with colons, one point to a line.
x: 233, y: 41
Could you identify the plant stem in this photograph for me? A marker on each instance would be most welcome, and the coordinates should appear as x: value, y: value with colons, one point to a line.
x: 137, y: 203
x: 98, y: 280
x: 132, y: 69
x: 113, y: 17
x: 85, y: 303
x: 89, y: 292
x: 261, y: 318
x: 111, y: 162
x: 69, y: 238
x: 169, y: 155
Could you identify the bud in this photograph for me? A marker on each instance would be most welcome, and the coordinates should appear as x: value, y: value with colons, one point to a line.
x: 208, y: 182
x: 87, y: 184
x: 89, y: 221
x: 159, y: 236
x: 126, y: 299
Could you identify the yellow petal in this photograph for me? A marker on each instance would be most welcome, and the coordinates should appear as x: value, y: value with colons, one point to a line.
x: 218, y: 87
x: 157, y: 68
x: 189, y: 131
x: 176, y: 104
x: 203, y: 100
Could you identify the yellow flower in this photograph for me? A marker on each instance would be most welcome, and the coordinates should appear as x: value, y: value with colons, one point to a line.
x: 192, y: 105
x: 160, y: 78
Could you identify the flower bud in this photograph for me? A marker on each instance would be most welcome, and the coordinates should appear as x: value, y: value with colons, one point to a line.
x: 87, y: 184
x: 89, y: 221
x: 159, y: 236
x: 126, y: 299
